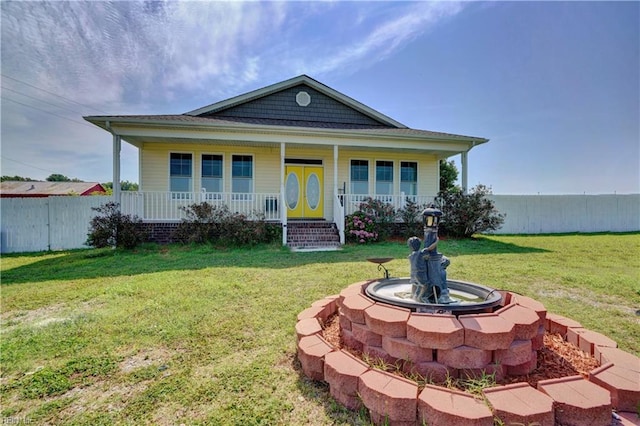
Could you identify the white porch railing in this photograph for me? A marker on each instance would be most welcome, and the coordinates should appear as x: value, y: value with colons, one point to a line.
x: 166, y: 206
x: 352, y: 201
x: 338, y: 216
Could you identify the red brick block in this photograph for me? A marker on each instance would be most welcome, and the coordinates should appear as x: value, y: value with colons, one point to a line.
x: 518, y: 353
x: 578, y: 402
x: 435, y: 331
x: 531, y: 304
x: 487, y: 331
x: 389, y: 396
x: 432, y: 372
x: 311, y: 352
x: 342, y: 371
x: 538, y: 341
x: 464, y: 357
x: 526, y: 320
x: 345, y: 323
x: 366, y: 335
x: 618, y: 357
x: 524, y: 368
x: 623, y: 385
x: 350, y: 341
x: 443, y: 407
x: 353, y: 289
x: 572, y: 335
x: 401, y: 348
x: 328, y: 303
x: 379, y: 354
x: 351, y: 402
x: 557, y: 324
x: 590, y: 339
x: 313, y: 312
x: 506, y: 297
x: 307, y: 327
x: 519, y: 403
x: 387, y: 320
x: 353, y: 307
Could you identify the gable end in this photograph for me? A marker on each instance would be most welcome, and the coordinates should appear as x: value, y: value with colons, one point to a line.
x: 284, y: 107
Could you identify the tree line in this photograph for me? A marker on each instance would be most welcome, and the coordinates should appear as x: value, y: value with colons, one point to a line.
x: 125, y: 185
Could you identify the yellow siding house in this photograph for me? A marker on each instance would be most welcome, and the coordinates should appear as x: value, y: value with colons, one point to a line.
x: 296, y: 152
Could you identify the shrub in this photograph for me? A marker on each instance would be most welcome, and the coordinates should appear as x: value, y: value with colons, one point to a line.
x: 360, y: 228
x: 411, y: 215
x: 111, y: 228
x: 466, y: 214
x: 383, y: 214
x: 217, y: 224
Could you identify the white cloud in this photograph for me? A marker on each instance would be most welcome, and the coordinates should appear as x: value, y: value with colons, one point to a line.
x: 169, y: 57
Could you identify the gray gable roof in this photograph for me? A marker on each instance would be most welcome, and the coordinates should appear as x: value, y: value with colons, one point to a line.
x: 279, y: 102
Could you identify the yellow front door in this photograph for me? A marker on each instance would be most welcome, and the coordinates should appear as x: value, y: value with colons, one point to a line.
x: 304, y: 192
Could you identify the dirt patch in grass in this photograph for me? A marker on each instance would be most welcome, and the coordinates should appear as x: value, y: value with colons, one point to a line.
x: 44, y: 316
x: 100, y: 397
x: 146, y: 358
x: 558, y: 358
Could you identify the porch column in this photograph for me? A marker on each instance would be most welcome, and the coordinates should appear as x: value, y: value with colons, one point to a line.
x: 283, y: 202
x: 464, y: 161
x: 335, y: 170
x: 117, y: 144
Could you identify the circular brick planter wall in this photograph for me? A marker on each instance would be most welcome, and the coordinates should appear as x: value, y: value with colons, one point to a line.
x: 503, y: 342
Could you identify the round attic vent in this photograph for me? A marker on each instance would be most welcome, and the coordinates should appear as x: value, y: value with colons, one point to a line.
x: 303, y: 99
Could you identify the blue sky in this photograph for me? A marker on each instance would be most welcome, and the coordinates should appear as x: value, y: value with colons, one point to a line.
x: 555, y: 86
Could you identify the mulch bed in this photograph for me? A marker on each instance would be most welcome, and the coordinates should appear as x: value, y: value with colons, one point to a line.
x: 558, y: 358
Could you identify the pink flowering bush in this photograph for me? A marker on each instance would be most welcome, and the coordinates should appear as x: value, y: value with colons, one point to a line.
x: 361, y: 228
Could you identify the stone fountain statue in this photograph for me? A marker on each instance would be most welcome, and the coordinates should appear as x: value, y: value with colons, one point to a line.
x: 428, y: 267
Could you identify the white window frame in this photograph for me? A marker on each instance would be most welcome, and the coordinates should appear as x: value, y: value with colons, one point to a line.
x: 417, y: 163
x: 393, y: 178
x: 368, y: 177
x: 181, y: 195
x: 210, y: 195
x: 237, y: 195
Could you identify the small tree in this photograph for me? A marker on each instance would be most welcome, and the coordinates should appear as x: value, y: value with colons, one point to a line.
x: 466, y: 214
x: 111, y: 228
x: 448, y: 177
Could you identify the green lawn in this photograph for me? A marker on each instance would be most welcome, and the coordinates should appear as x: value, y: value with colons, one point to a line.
x: 198, y: 335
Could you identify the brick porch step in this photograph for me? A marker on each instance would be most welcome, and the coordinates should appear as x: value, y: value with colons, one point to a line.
x: 306, y: 234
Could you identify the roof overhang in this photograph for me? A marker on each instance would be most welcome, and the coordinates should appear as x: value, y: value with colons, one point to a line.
x: 139, y: 131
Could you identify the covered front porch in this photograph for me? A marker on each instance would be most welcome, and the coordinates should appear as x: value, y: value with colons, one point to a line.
x: 169, y: 207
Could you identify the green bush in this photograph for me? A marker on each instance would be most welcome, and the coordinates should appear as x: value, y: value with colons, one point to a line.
x: 411, y: 215
x: 205, y: 222
x: 383, y: 214
x: 111, y: 228
x: 466, y: 214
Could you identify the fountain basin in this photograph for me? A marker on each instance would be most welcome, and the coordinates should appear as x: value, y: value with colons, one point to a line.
x: 469, y: 298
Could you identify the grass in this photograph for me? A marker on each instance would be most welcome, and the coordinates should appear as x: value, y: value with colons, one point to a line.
x: 202, y: 335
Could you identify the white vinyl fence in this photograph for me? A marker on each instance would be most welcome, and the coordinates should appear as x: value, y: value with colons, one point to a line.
x: 554, y: 214
x: 52, y: 223
x: 60, y: 223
